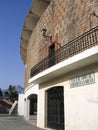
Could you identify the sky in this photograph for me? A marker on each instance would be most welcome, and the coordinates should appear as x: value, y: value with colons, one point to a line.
x: 12, y: 18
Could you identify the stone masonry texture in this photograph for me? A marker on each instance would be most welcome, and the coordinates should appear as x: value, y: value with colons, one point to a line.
x: 64, y: 20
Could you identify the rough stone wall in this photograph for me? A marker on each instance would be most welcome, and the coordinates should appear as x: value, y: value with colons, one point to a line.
x: 64, y: 20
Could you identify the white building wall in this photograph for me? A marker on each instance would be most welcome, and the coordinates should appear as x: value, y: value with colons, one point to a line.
x: 33, y: 89
x: 27, y: 109
x: 42, y: 104
x: 21, y: 105
x: 80, y: 103
x: 41, y: 109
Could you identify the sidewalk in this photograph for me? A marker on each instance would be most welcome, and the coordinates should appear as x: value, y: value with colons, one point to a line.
x: 15, y: 123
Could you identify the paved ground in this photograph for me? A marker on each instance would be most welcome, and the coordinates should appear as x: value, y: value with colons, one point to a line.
x: 15, y: 123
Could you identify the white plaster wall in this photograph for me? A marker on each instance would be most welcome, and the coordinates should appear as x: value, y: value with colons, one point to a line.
x: 41, y: 109
x: 33, y: 89
x: 80, y: 103
x: 27, y: 109
x: 81, y: 107
x: 21, y: 105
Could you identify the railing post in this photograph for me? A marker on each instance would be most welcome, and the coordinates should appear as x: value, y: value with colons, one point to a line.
x: 77, y: 45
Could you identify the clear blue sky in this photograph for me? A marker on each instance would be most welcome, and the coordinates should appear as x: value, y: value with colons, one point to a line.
x: 12, y: 17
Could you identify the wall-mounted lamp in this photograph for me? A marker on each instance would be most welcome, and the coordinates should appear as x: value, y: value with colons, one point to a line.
x: 46, y: 36
x: 92, y: 14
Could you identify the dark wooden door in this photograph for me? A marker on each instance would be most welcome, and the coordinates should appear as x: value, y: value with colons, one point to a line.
x: 51, y: 55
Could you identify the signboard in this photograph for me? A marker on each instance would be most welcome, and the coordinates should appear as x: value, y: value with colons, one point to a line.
x: 82, y: 80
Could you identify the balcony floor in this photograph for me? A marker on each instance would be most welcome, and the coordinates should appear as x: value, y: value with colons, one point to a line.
x: 85, y: 58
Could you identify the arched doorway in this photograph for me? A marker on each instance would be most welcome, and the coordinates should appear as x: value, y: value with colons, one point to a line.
x: 55, y: 108
x: 33, y: 108
x: 33, y: 104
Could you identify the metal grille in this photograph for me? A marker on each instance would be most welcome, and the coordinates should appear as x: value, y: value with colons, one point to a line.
x: 85, y: 41
x: 55, y: 108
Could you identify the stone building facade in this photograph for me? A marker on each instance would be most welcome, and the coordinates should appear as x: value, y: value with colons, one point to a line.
x: 61, y: 63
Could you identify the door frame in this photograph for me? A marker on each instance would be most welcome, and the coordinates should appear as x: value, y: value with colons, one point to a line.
x: 46, y: 110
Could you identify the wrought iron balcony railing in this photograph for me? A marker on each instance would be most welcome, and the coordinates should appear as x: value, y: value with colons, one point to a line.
x: 79, y: 44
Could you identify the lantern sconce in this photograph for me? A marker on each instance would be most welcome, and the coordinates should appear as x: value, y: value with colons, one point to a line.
x: 48, y: 37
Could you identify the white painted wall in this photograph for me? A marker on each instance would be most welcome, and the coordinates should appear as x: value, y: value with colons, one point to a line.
x: 33, y: 89
x: 41, y: 109
x: 81, y: 109
x: 27, y: 109
x: 21, y: 105
x: 80, y: 104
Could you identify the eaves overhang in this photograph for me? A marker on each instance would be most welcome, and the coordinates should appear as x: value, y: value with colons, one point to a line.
x: 37, y: 9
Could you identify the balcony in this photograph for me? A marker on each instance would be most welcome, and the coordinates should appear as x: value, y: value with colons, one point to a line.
x: 79, y: 52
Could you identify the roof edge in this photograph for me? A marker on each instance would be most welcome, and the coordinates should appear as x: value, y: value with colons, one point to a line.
x: 36, y: 10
